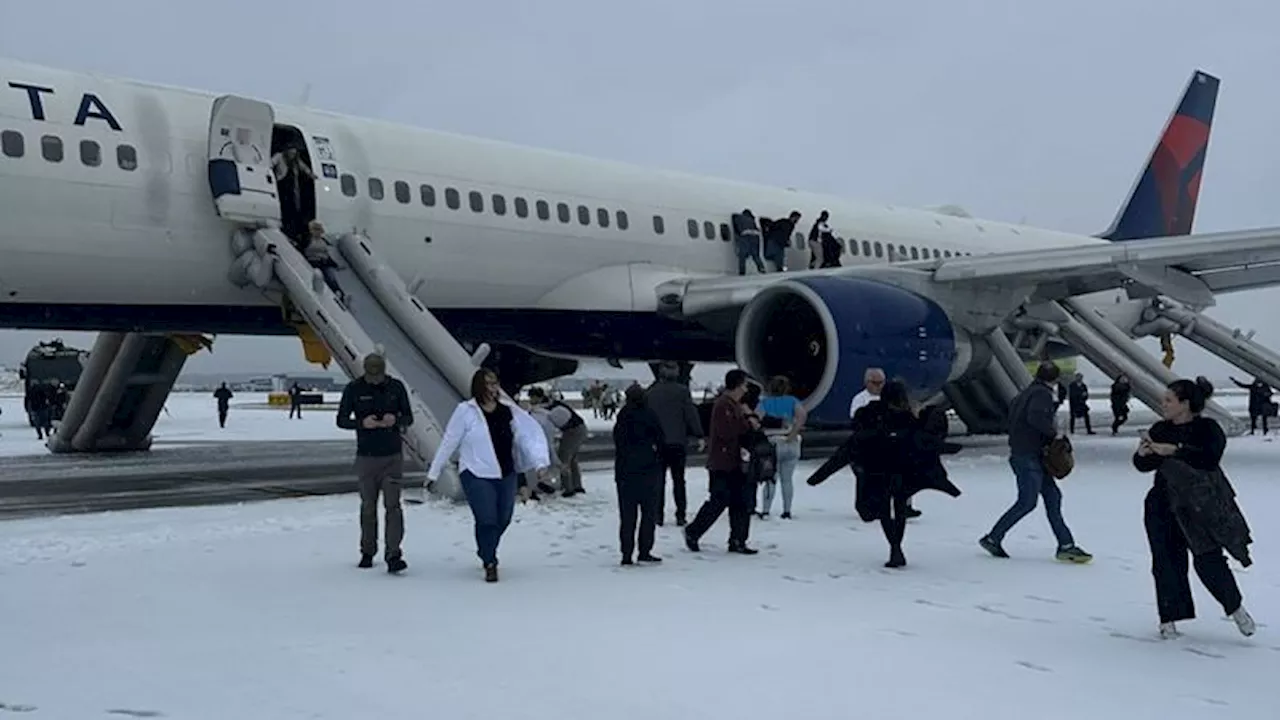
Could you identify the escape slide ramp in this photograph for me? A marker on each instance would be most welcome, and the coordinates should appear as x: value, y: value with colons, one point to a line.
x: 264, y: 254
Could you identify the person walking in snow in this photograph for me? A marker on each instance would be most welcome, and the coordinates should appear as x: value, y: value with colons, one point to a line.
x: 377, y: 407
x: 495, y: 441
x: 637, y: 470
x: 1031, y: 430
x: 1186, y: 445
x: 1120, y: 394
x: 223, y: 397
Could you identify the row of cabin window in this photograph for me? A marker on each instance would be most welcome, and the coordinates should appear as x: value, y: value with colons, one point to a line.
x: 707, y: 229
x: 476, y: 201
x: 497, y: 202
x: 14, y: 145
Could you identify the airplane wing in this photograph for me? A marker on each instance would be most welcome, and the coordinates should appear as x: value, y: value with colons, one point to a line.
x: 1187, y: 268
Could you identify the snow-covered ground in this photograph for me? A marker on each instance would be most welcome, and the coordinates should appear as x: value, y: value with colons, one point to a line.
x: 192, y: 417
x: 257, y: 611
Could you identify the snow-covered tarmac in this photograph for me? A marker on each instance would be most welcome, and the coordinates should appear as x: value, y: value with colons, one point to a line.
x: 257, y: 611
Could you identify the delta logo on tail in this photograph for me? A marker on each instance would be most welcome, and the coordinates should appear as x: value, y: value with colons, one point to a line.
x: 1163, y: 203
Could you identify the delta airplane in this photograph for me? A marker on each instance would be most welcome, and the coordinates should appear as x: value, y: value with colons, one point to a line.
x: 110, y: 224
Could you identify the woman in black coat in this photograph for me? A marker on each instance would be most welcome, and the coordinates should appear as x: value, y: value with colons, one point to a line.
x: 1182, y: 444
x: 638, y: 471
x: 899, y: 454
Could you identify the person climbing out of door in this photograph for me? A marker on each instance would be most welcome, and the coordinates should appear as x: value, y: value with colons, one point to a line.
x: 291, y: 171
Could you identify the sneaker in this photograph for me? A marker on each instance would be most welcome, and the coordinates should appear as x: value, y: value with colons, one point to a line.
x: 1244, y: 621
x: 743, y: 550
x: 1169, y: 631
x: 1073, y: 554
x: 680, y: 521
x: 912, y: 513
x: 649, y: 559
x: 491, y: 573
x: 896, y: 558
x: 626, y: 560
x: 992, y: 546
x: 785, y: 516
x: 396, y: 565
x: 366, y: 561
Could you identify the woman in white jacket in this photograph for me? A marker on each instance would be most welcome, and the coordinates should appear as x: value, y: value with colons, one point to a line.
x: 495, y: 441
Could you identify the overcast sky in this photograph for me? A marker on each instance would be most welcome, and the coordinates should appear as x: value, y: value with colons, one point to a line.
x: 1014, y: 110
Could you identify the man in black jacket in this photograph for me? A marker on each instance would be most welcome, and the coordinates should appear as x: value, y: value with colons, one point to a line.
x: 637, y: 469
x: 777, y: 238
x: 377, y: 407
x: 1031, y: 429
x: 672, y: 402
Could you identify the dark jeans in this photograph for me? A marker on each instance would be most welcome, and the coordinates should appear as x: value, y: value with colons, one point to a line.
x: 492, y: 501
x: 1253, y: 422
x: 730, y: 490
x: 1169, y: 553
x: 1119, y: 416
x: 380, y: 475
x: 1033, y: 482
x: 1071, y: 423
x: 674, y: 458
x: 222, y: 416
x: 749, y: 249
x: 638, y: 499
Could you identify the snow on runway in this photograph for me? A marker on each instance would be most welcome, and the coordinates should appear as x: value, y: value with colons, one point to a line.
x: 257, y: 611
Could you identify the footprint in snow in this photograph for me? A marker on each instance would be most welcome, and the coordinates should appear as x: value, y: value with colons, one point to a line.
x: 1033, y: 666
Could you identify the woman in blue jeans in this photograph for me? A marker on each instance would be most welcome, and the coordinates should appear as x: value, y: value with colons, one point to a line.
x: 495, y: 441
x: 784, y: 406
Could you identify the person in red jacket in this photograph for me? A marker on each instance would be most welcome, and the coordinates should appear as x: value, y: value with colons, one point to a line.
x: 731, y: 489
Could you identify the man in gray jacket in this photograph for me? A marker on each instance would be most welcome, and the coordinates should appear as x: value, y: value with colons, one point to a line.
x: 672, y: 402
x: 1032, y: 427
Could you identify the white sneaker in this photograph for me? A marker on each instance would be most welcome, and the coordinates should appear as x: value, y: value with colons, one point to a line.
x: 1169, y: 631
x: 1244, y: 621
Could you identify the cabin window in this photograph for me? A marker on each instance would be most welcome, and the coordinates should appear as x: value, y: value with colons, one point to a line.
x: 544, y: 210
x: 522, y: 207
x: 584, y: 215
x: 623, y: 221
x: 127, y: 157
x: 936, y: 255
x: 709, y: 229
x: 659, y: 225
x: 12, y: 144
x: 693, y: 228
x: 90, y: 153
x: 427, y: 194
x: 376, y: 191
x: 476, y: 201
x: 853, y: 246
x: 902, y: 252
x: 725, y: 234
x: 348, y: 183
x: 403, y: 194
x: 879, y: 249
x: 866, y: 248
x: 499, y: 204
x: 452, y: 199
x: 946, y: 253
x: 915, y: 253
x: 51, y: 148
x: 562, y: 212
x: 602, y: 217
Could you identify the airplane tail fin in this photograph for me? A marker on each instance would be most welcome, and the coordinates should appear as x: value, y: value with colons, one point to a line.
x: 1163, y: 200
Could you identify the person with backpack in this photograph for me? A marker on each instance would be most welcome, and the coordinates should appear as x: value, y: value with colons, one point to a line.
x: 1031, y: 430
x: 573, y: 432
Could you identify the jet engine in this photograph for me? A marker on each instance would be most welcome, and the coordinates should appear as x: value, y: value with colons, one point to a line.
x: 824, y: 332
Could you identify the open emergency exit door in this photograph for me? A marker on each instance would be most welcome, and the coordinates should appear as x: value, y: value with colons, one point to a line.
x: 240, y: 175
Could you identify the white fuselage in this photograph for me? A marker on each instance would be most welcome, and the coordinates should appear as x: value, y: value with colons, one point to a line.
x: 75, y: 235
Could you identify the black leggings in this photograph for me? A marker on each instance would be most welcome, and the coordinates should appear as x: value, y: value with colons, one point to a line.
x: 894, y: 524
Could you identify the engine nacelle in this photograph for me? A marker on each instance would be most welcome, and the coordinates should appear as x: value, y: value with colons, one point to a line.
x: 824, y: 332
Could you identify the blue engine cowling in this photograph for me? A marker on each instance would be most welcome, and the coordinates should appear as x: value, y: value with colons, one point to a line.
x: 824, y: 332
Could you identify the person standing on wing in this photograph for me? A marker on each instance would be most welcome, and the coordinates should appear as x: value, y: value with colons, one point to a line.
x: 1031, y: 429
x: 873, y: 384
x: 377, y: 407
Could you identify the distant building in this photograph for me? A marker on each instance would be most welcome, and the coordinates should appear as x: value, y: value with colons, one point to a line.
x: 317, y: 383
